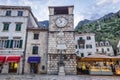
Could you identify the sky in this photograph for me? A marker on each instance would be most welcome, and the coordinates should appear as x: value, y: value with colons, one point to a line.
x: 83, y: 9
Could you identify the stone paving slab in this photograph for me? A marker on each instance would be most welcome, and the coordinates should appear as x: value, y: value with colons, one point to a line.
x: 55, y: 77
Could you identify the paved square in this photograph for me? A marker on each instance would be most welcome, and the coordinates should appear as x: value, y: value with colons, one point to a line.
x: 56, y: 77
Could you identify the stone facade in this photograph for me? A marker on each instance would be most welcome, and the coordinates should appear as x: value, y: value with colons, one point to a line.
x: 11, y: 16
x: 41, y: 42
x: 85, y: 44
x: 68, y: 55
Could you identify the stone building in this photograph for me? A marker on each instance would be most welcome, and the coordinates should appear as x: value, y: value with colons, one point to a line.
x: 36, y: 51
x: 61, y: 48
x: 14, y: 21
x: 85, y: 44
x: 104, y: 47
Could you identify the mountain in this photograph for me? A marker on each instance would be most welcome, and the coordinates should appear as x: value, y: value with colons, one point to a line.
x: 44, y: 24
x: 105, y: 28
x: 81, y: 23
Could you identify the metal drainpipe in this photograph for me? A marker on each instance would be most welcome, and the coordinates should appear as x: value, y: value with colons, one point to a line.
x: 24, y: 52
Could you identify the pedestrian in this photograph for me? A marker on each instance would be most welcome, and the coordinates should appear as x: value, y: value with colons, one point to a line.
x: 0, y: 69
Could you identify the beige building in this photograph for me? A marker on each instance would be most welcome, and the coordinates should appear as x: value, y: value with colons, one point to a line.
x: 36, y: 51
x: 14, y: 21
x: 61, y: 48
x: 104, y: 47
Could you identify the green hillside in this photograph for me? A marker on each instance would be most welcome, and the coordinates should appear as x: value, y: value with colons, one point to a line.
x: 105, y: 28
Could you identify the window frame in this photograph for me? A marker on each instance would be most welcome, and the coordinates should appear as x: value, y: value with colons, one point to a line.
x: 34, y: 37
x: 18, y: 27
x: 88, y: 38
x: 8, y: 13
x: 6, y: 26
x: 35, y: 50
x: 20, y: 13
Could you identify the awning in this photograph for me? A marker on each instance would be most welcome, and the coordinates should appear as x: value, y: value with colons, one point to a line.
x: 2, y: 59
x: 34, y: 59
x: 13, y: 59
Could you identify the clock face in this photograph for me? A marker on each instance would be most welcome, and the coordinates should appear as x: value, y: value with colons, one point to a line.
x: 61, y: 22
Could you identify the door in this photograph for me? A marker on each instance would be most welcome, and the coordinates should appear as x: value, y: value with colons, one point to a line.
x: 0, y: 67
x: 33, y: 67
x: 13, y: 67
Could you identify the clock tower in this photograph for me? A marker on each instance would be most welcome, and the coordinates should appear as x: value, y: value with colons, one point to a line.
x: 61, y: 48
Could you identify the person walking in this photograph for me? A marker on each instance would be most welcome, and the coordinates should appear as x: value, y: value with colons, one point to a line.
x: 0, y: 69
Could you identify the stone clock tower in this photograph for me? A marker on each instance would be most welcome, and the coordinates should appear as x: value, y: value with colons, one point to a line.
x: 61, y: 48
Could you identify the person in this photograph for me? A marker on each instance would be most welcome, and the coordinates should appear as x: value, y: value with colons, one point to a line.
x: 0, y: 69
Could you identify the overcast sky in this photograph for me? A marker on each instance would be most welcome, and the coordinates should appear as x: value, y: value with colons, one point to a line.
x: 83, y: 9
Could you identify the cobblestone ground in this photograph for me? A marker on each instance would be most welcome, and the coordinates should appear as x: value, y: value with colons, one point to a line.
x: 55, y: 77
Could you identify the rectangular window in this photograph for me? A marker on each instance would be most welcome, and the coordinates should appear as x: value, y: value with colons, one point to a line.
x: 88, y: 46
x: 88, y: 38
x: 20, y: 13
x: 8, y: 13
x: 35, y: 50
x: 18, y: 27
x: 17, y: 43
x: 76, y: 46
x: 108, y: 49
x: 36, y: 36
x: 6, y: 27
x: 3, y: 43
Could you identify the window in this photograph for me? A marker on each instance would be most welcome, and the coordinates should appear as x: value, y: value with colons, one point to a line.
x: 89, y: 53
x: 88, y: 38
x: 97, y: 50
x: 43, y: 67
x: 102, y: 50
x: 36, y: 36
x: 82, y: 55
x: 80, y: 38
x: 108, y: 49
x: 20, y: 13
x: 6, y: 26
x: 101, y: 43
x: 18, y: 26
x: 96, y: 44
x: 81, y: 46
x: 107, y: 44
x: 76, y: 46
x: 60, y: 10
x: 35, y: 50
x: 3, y: 43
x: 8, y: 13
x: 89, y: 46
x: 17, y: 43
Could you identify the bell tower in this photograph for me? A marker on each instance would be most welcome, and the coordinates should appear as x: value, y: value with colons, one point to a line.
x: 61, y: 48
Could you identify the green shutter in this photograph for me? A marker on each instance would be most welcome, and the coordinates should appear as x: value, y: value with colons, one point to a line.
x: 11, y: 43
x: 18, y: 27
x: 21, y: 41
x: 8, y: 42
x: 6, y: 26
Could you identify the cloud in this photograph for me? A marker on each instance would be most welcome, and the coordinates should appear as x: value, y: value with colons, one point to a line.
x: 100, y: 8
x: 102, y: 2
x: 94, y: 10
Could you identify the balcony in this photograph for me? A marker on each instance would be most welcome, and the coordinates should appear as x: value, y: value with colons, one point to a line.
x: 81, y: 41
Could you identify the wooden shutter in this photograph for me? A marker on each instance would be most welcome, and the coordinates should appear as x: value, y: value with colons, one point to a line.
x: 8, y: 43
x: 21, y: 41
x: 11, y: 43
